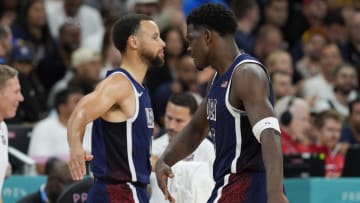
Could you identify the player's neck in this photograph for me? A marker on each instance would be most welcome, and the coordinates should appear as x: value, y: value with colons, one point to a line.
x: 135, y: 67
x: 224, y: 56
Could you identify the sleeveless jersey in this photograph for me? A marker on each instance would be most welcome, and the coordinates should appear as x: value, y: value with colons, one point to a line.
x: 122, y: 149
x: 237, y: 150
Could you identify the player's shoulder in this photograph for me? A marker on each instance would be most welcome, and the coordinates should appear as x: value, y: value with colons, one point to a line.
x: 116, y: 81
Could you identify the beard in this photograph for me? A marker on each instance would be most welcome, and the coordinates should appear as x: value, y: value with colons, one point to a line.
x: 153, y: 60
x: 344, y: 90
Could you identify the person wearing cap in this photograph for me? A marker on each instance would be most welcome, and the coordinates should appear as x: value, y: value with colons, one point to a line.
x: 33, y: 108
x: 85, y: 73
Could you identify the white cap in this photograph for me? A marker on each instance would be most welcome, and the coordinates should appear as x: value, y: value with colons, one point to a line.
x: 82, y: 56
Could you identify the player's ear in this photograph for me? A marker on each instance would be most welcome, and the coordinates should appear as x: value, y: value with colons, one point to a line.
x: 208, y: 36
x: 133, y: 42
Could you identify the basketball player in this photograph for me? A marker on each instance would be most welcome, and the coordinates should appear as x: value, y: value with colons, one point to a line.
x: 124, y: 120
x: 238, y: 113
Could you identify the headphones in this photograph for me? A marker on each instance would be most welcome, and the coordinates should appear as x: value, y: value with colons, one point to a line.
x: 286, y: 116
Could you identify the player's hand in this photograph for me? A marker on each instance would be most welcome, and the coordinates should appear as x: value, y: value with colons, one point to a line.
x: 77, y: 166
x: 163, y: 172
x: 277, y: 197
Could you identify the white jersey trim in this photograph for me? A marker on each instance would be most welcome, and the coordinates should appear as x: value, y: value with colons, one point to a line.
x: 129, y: 134
x: 236, y: 113
x: 219, y: 191
x: 133, y: 190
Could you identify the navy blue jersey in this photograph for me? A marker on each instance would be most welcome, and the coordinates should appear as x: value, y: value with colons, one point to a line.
x: 122, y: 149
x: 237, y: 149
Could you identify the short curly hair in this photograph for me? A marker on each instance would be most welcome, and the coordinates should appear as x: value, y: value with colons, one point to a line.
x: 214, y: 17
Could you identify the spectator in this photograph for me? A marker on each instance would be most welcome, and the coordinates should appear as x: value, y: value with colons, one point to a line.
x: 247, y: 15
x: 58, y: 178
x: 185, y: 80
x: 179, y: 111
x: 269, y: 39
x: 313, y: 42
x: 311, y: 14
x: 336, y: 29
x: 85, y: 75
x: 10, y: 97
x: 294, y: 116
x: 280, y: 60
x: 321, y: 86
x: 344, y: 91
x: 88, y: 18
x: 8, y: 11
x: 276, y: 12
x: 5, y: 43
x: 32, y: 27
x: 282, y: 85
x: 52, y: 68
x: 350, y: 133
x: 328, y: 124
x: 33, y: 108
x: 49, y: 135
x: 352, y: 50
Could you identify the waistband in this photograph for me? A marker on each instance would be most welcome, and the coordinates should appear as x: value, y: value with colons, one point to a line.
x: 118, y: 182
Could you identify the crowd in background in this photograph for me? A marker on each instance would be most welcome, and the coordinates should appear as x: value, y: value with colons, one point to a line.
x: 311, y: 49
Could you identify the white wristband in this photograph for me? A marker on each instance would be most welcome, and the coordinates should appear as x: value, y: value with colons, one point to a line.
x: 265, y: 123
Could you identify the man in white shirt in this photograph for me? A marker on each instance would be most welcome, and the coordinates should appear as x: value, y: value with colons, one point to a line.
x: 10, y: 97
x: 49, y: 135
x: 191, y: 176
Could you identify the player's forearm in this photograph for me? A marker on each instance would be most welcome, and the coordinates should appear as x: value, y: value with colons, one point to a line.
x: 76, y: 129
x: 182, y: 145
x: 272, y: 157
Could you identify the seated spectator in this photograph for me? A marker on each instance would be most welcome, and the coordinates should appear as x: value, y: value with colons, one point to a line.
x: 49, y: 135
x: 58, y: 178
x: 350, y: 133
x: 185, y: 185
x: 179, y: 111
x: 85, y: 75
x: 294, y: 116
x: 328, y: 124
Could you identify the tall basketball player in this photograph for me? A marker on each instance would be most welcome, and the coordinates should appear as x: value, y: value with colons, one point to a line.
x: 123, y: 118
x: 238, y: 114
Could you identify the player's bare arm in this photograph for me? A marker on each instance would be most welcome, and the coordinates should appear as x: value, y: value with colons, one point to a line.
x: 183, y: 145
x: 250, y: 90
x: 113, y: 91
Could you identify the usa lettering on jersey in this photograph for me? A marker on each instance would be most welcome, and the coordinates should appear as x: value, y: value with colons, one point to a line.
x: 211, y: 109
x: 149, y: 117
